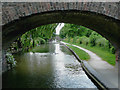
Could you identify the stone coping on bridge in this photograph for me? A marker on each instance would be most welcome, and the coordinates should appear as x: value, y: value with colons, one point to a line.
x: 15, y: 10
x: 60, y: 0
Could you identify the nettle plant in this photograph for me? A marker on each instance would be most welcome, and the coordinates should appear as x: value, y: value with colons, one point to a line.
x: 10, y: 59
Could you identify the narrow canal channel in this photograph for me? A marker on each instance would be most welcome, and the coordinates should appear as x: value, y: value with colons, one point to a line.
x: 50, y: 66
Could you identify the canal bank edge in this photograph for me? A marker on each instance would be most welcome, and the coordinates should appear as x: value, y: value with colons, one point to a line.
x: 101, y: 83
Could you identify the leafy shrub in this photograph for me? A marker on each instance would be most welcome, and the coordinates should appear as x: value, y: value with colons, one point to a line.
x: 71, y: 39
x: 42, y: 41
x: 78, y: 39
x: 75, y: 39
x: 84, y: 40
x: 112, y: 50
x: 93, y: 38
x: 10, y: 59
x: 81, y: 39
x: 102, y: 42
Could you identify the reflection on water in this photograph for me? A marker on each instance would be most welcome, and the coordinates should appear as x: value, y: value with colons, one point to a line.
x: 65, y: 50
x: 41, y: 49
x: 57, y: 68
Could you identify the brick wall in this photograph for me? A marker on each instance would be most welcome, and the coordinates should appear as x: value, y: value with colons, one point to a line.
x: 118, y: 55
x: 14, y: 10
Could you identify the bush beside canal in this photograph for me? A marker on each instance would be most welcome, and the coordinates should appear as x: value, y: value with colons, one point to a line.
x: 10, y: 60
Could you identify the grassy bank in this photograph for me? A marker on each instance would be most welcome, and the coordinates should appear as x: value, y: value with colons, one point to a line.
x: 101, y: 52
x: 82, y: 54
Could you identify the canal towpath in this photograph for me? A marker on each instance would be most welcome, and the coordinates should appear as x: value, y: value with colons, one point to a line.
x: 107, y: 73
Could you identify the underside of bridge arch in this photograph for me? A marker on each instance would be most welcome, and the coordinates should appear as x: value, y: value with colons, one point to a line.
x: 104, y: 25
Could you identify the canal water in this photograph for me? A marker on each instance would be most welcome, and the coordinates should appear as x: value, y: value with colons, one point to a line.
x: 47, y: 66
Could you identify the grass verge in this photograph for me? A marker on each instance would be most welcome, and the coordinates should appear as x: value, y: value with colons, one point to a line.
x: 104, y: 54
x: 82, y: 54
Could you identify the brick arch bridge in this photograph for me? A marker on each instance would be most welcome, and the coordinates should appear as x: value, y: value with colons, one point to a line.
x: 103, y: 17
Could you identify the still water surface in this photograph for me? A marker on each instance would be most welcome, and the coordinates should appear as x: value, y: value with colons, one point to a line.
x: 51, y: 66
